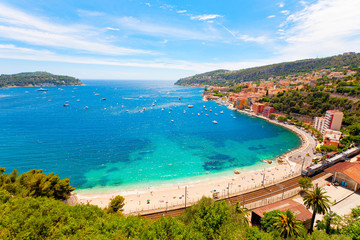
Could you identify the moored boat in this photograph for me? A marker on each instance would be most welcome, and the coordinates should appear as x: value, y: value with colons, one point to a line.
x: 42, y: 89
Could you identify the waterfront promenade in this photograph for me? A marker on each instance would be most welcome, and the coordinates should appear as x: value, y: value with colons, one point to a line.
x: 256, y: 198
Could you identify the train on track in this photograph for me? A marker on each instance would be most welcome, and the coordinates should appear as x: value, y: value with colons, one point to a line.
x: 331, y: 161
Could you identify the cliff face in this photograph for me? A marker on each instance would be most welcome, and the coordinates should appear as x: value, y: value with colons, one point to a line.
x: 229, y: 78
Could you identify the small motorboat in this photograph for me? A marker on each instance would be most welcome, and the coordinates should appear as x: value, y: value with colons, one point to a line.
x: 190, y: 106
x: 41, y: 89
x: 103, y: 99
x: 215, y: 122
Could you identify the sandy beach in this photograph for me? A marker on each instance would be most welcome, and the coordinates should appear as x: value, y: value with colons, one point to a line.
x: 173, y: 196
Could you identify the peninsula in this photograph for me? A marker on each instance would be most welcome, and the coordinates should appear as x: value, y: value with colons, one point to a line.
x: 37, y: 79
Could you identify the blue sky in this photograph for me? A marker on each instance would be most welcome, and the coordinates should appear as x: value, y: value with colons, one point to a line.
x: 167, y: 40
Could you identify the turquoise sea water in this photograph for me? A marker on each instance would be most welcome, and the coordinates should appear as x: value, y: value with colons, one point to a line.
x: 114, y: 143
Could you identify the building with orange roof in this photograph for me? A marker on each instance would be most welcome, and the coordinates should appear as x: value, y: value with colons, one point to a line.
x: 347, y: 174
x: 268, y: 110
x: 332, y: 137
x: 298, y: 209
x: 241, y: 102
x: 257, y: 107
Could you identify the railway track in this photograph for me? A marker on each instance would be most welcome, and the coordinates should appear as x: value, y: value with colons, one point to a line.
x: 245, y: 198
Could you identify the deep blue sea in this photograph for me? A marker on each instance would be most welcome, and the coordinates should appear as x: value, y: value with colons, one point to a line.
x: 115, y: 143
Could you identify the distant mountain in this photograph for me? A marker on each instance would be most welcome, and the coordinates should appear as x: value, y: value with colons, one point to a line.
x: 229, y: 78
x: 37, y: 79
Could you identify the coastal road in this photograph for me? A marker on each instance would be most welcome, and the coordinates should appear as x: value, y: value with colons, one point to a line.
x: 245, y: 198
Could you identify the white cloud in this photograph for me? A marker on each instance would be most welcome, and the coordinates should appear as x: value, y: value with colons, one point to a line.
x: 181, y: 11
x: 281, y: 5
x: 148, y: 4
x: 144, y: 27
x: 325, y: 28
x: 167, y: 6
x: 13, y: 52
x: 86, y: 13
x: 205, y: 17
x: 20, y: 26
x: 260, y: 39
x: 271, y: 16
x: 9, y: 51
x: 112, y: 29
x: 247, y: 38
x: 285, y: 12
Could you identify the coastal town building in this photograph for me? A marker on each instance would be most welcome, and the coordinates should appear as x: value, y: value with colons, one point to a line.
x: 319, y: 123
x: 332, y: 137
x: 346, y: 174
x: 241, y: 102
x: 268, y: 110
x: 298, y: 209
x: 333, y: 120
x: 355, y: 159
x: 257, y: 108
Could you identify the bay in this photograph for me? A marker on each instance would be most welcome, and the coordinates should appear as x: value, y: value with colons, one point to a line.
x: 122, y: 134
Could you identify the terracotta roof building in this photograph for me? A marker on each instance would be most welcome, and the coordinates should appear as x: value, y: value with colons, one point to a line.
x: 298, y: 209
x: 332, y: 137
x: 347, y: 174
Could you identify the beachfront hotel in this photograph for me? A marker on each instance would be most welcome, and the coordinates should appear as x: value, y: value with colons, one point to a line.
x: 332, y: 120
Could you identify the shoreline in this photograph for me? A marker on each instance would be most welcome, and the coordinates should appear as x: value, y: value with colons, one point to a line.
x: 172, y: 195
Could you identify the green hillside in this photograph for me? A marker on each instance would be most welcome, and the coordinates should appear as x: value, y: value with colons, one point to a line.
x: 229, y: 78
x: 31, y: 207
x: 37, y: 79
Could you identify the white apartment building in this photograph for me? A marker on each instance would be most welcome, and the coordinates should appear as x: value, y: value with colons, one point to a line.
x: 319, y: 123
x: 332, y: 120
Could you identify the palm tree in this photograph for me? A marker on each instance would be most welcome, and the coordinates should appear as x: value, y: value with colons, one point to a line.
x: 319, y: 203
x: 287, y: 224
x: 242, y: 215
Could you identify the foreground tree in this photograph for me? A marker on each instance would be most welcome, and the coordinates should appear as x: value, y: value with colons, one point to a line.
x: 269, y: 219
x: 287, y: 224
x: 35, y: 183
x: 305, y: 183
x: 116, y: 204
x: 318, y: 202
x: 329, y: 220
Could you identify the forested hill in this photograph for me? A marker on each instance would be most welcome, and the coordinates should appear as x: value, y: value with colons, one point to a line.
x: 229, y: 78
x: 37, y: 79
